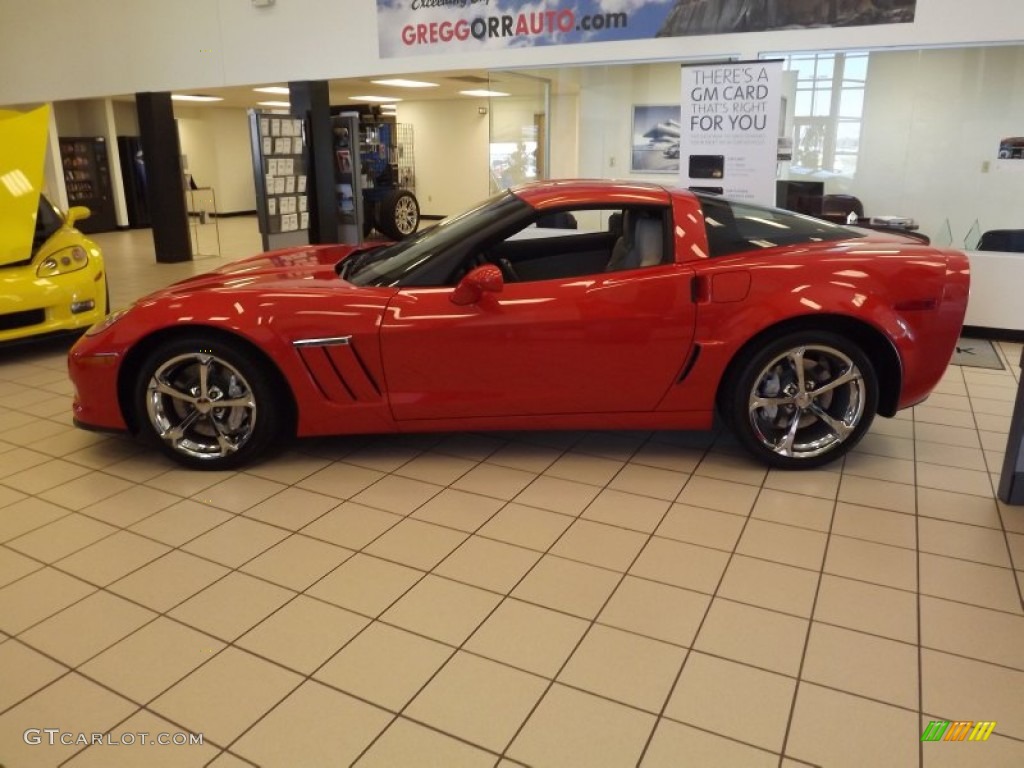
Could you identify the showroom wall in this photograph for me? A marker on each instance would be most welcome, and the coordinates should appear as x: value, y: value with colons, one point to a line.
x: 216, y: 143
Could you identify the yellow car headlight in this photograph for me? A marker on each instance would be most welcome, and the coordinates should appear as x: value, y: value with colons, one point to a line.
x: 106, y: 322
x: 63, y: 261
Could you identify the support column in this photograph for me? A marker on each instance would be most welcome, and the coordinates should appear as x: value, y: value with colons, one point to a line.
x: 311, y: 100
x: 165, y: 185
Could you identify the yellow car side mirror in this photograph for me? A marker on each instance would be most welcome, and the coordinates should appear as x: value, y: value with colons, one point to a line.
x: 77, y: 213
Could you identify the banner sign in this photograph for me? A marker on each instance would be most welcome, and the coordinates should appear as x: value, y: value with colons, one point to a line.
x: 418, y: 27
x: 729, y: 128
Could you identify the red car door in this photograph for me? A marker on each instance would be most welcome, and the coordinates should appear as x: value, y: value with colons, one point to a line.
x: 610, y: 342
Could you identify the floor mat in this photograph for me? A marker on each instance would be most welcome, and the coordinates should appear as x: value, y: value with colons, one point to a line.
x: 976, y: 353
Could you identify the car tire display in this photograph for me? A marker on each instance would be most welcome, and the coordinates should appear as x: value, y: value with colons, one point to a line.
x: 803, y: 400
x: 208, y: 403
x: 399, y: 214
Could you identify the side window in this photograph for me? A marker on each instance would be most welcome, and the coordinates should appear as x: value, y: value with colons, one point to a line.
x: 576, y: 242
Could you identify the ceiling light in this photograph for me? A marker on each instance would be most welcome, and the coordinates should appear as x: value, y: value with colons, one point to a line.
x: 280, y: 89
x: 193, y: 97
x: 399, y: 82
x: 375, y: 99
x: 483, y: 93
x: 283, y: 104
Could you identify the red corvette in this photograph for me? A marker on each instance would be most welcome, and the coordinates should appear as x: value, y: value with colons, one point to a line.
x: 557, y: 305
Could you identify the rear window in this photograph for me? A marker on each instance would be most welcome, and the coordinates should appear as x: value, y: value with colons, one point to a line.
x: 734, y: 227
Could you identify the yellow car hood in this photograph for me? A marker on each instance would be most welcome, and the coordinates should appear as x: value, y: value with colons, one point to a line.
x: 22, y: 151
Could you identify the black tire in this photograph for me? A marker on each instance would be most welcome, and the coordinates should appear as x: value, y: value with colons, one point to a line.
x: 399, y: 214
x: 174, y: 411
x: 802, y: 400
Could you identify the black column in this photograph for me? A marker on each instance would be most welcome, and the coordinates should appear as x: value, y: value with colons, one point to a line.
x: 311, y: 100
x: 165, y: 186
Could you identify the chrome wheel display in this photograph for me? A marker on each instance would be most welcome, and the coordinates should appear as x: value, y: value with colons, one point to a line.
x: 807, y: 402
x: 407, y: 215
x: 201, y: 406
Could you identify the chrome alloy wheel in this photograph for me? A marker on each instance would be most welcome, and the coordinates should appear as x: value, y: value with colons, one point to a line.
x: 407, y: 215
x: 201, y: 406
x: 807, y: 401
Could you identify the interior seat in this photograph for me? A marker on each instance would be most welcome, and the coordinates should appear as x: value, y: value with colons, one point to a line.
x: 641, y: 243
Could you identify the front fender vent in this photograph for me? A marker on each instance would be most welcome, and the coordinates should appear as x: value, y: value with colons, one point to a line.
x: 337, y: 369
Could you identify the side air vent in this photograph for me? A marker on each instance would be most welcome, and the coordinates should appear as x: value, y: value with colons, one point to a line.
x: 338, y: 370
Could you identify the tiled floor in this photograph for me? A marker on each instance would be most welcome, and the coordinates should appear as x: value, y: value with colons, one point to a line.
x: 548, y: 599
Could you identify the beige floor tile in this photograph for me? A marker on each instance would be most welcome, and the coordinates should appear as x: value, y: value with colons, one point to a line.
x: 24, y: 514
x: 128, y: 749
x: 794, y: 509
x: 86, y: 628
x: 769, y: 585
x: 38, y: 596
x: 441, y: 609
x: 958, y: 507
x: 152, y: 659
x: 314, y: 726
x: 297, y: 562
x: 526, y: 526
x: 529, y: 458
x: 998, y: 751
x: 342, y: 481
x: 733, y: 468
x: 400, y: 495
x: 671, y: 740
x: 707, y: 527
x: 879, y: 467
x: 783, y: 544
x: 61, y: 537
x: 718, y: 494
x: 232, y: 606
x: 879, y: 525
x: 14, y: 565
x: 383, y: 455
x: 558, y: 495
x: 469, y: 446
x: 599, y: 544
x: 592, y: 470
x: 492, y: 480
x: 85, y: 491
x: 863, y: 664
x: 142, y: 466
x: 367, y: 585
x: 288, y: 468
x: 990, y: 407
x: 130, y: 505
x: 409, y: 743
x: 435, y: 468
x: 9, y: 495
x: 527, y: 636
x: 874, y: 563
x: 25, y: 672
x: 659, y: 483
x: 415, y: 543
x: 624, y: 667
x: 184, y: 482
x: 937, y: 454
x: 990, y: 423
x: 303, y: 634
x: 974, y: 583
x: 656, y: 610
x: 769, y: 640
x: 461, y: 700
x: 616, y: 445
x: 181, y: 522
x: 236, y: 541
x: 42, y: 477
x: 937, y: 433
x: 666, y: 456
x: 492, y: 565
x: 571, y: 727
x: 881, y: 494
x: 733, y: 699
x: 292, y: 508
x: 1016, y: 544
x: 954, y: 688
x: 820, y: 483
x: 16, y: 462
x: 878, y: 444
x: 929, y: 414
x: 111, y: 558
x: 972, y: 631
x: 968, y: 542
x: 385, y: 665
x: 458, y: 509
x: 869, y: 608
x: 224, y: 697
x: 170, y: 580
x: 72, y: 704
x: 626, y: 510
x: 954, y: 479
x: 681, y: 564
x: 352, y: 525
x: 821, y: 734
x: 575, y: 588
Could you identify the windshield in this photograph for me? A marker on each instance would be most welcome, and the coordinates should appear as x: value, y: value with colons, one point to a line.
x: 48, y: 221
x: 389, y: 265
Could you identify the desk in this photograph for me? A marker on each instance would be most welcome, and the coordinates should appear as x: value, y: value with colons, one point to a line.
x: 996, y: 280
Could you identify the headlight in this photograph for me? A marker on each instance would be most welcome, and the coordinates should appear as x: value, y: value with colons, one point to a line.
x: 65, y: 261
x: 106, y: 322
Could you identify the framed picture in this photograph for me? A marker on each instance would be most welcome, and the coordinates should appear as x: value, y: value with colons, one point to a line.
x: 656, y: 132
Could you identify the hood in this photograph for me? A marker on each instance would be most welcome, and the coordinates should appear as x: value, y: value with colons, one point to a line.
x: 22, y: 151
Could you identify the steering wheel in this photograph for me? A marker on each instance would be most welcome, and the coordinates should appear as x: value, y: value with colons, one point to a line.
x: 508, y: 272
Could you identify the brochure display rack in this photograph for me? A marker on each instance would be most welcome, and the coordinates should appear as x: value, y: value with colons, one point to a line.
x: 279, y: 170
x: 348, y: 180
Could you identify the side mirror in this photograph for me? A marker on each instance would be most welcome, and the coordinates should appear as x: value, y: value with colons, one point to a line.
x: 472, y: 287
x: 76, y: 213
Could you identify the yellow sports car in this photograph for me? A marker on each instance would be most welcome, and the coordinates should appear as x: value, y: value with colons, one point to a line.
x: 52, y: 277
